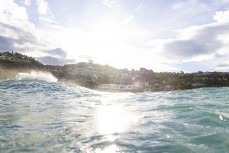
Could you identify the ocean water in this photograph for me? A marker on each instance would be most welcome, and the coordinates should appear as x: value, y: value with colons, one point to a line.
x: 39, y: 114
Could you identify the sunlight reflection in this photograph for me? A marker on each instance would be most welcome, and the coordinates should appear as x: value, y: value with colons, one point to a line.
x: 112, y: 120
x: 110, y: 149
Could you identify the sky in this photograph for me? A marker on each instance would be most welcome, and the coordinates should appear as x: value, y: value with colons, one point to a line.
x: 162, y: 35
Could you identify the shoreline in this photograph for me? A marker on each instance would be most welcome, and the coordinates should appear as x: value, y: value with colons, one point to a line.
x: 107, y: 78
x: 7, y: 74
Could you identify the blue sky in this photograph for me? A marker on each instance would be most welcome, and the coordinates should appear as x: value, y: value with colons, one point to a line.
x: 165, y: 35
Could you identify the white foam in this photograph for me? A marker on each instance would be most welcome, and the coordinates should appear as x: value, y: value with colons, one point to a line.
x: 36, y: 75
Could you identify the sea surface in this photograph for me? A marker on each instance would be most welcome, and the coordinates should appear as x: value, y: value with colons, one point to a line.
x: 39, y: 114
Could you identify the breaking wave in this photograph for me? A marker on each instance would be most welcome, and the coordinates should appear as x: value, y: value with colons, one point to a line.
x: 36, y: 75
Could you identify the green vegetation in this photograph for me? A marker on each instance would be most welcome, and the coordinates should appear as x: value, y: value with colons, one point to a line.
x: 18, y: 61
x: 91, y: 75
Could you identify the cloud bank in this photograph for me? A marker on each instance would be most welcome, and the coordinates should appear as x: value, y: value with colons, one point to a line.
x: 134, y: 35
x: 205, y: 43
x: 19, y: 34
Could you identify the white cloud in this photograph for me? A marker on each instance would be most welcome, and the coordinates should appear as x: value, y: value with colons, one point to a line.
x: 225, y: 1
x: 10, y: 12
x: 127, y: 19
x: 178, y: 6
x: 109, y: 3
x: 204, y: 43
x: 108, y: 41
x: 47, y: 20
x: 192, y: 44
x: 27, y: 2
x: 13, y: 16
x: 221, y: 16
x: 42, y: 7
x: 189, y: 12
x: 18, y: 34
x: 190, y: 6
x: 138, y: 7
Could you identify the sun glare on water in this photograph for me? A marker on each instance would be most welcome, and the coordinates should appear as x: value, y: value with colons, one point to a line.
x: 110, y: 149
x: 112, y: 120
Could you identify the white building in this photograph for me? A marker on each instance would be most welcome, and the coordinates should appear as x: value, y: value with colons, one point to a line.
x: 116, y: 87
x: 88, y: 71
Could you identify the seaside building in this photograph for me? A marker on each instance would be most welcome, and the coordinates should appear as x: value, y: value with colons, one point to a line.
x: 53, y: 68
x: 117, y: 86
x: 88, y: 71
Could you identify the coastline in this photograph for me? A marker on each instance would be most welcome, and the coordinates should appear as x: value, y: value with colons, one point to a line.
x: 10, y: 73
x: 106, y: 78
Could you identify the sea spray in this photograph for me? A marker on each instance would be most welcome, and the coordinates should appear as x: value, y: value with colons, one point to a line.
x: 36, y: 75
x: 6, y: 74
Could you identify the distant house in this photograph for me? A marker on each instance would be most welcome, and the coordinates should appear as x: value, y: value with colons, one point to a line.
x: 87, y: 71
x: 116, y: 87
x: 53, y: 68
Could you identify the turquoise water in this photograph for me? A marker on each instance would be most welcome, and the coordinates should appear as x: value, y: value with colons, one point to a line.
x: 44, y: 116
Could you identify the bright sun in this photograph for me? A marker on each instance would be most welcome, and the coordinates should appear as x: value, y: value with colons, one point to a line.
x: 105, y: 42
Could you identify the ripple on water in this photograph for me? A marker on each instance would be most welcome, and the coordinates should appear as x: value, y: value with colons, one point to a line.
x: 39, y: 116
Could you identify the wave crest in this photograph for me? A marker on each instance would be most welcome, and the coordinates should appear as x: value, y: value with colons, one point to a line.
x: 34, y: 75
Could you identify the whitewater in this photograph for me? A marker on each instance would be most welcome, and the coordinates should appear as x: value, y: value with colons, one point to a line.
x: 40, y: 114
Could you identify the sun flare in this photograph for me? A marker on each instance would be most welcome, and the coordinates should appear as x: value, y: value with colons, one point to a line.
x: 104, y: 42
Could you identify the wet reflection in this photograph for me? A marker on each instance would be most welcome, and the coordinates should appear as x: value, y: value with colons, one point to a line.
x: 112, y: 120
x: 109, y: 149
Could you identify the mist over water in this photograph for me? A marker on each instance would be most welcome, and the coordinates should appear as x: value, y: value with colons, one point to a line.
x: 38, y: 114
